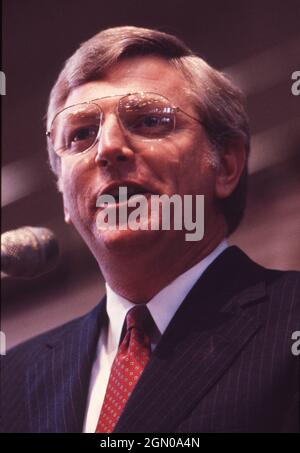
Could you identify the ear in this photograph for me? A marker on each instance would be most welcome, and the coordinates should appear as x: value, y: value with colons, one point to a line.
x: 231, y: 165
x: 67, y: 216
x: 66, y: 212
x: 59, y: 185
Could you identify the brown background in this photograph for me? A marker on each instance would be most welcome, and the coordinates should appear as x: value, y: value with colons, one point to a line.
x: 257, y: 42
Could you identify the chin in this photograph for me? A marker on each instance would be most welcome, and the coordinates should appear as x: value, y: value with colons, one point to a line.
x: 128, y: 240
x: 122, y: 241
x: 122, y: 238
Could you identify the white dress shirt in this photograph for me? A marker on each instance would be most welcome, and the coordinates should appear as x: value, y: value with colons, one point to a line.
x: 162, y: 307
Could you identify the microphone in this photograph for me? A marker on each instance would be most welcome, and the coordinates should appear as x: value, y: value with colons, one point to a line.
x: 28, y: 252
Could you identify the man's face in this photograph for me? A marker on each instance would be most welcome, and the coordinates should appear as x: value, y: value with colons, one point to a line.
x: 180, y: 163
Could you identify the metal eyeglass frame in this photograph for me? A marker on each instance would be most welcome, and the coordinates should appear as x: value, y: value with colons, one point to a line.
x: 125, y: 130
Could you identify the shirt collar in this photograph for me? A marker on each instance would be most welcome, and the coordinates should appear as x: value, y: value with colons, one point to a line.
x: 164, y: 304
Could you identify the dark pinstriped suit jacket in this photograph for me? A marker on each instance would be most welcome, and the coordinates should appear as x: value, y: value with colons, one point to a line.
x: 224, y: 363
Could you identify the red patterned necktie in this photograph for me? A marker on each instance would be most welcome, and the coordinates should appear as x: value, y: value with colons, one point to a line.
x: 132, y: 357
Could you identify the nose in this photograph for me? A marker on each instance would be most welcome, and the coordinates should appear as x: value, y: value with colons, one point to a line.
x: 112, y: 146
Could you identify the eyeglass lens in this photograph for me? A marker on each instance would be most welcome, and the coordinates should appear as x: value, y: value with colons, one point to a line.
x: 144, y: 115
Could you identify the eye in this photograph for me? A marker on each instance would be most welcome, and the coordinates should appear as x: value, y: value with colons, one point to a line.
x: 155, y: 121
x: 80, y: 138
x: 84, y: 133
x: 151, y: 124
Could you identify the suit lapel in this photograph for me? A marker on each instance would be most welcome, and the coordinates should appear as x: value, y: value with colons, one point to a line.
x: 207, y: 333
x: 58, y: 382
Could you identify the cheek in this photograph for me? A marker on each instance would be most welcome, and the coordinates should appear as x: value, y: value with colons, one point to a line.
x: 159, y: 163
x: 197, y: 167
x: 74, y: 183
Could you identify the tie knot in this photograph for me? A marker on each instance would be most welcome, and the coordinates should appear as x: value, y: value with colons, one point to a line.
x: 140, y: 318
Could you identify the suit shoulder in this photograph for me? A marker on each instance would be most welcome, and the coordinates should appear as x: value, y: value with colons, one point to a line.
x: 283, y: 288
x: 289, y: 279
x: 30, y: 349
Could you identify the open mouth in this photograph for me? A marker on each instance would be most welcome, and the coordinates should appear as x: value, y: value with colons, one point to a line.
x: 121, y: 193
x: 127, y: 192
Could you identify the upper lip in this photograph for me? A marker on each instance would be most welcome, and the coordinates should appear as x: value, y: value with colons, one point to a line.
x: 113, y: 187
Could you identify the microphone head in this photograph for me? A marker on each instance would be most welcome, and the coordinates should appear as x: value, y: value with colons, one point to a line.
x: 28, y: 252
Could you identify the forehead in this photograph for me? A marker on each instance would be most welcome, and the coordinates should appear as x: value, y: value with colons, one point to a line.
x: 150, y: 73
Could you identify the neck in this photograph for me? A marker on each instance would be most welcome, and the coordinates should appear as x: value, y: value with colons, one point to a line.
x: 140, y: 276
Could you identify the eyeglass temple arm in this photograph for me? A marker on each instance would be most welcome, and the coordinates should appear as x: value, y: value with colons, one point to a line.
x: 178, y: 109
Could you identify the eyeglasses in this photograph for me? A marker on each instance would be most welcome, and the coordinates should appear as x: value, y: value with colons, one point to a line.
x: 144, y: 116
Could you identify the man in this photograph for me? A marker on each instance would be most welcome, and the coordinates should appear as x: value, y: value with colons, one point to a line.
x: 192, y: 336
